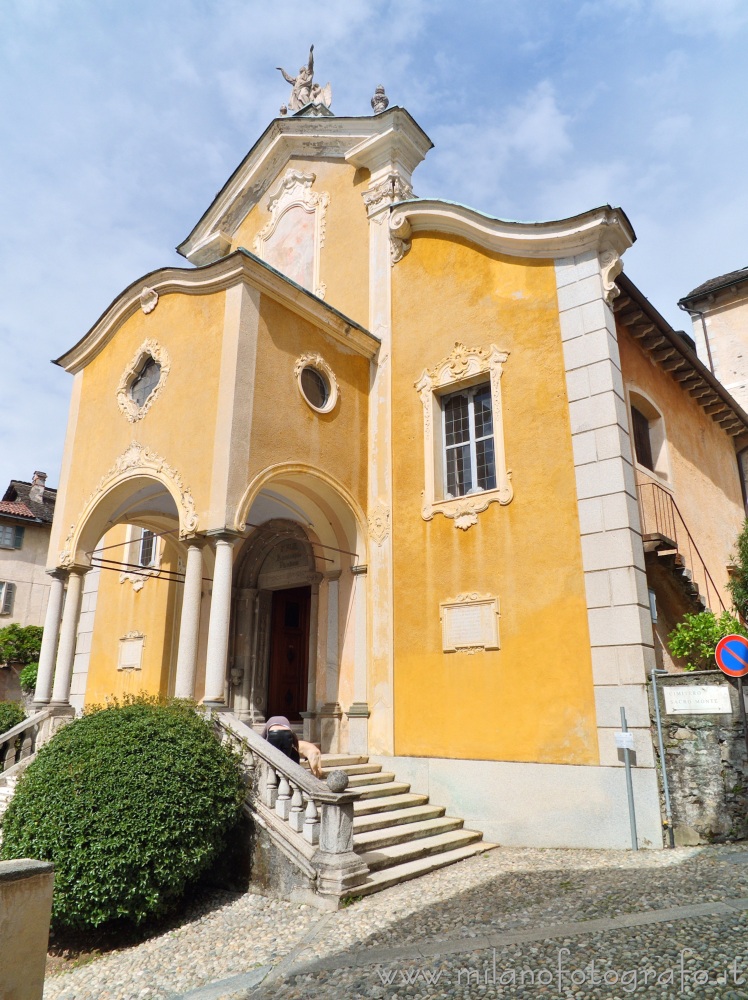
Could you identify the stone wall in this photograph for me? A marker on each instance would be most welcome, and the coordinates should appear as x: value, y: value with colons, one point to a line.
x: 707, y: 765
x: 25, y: 909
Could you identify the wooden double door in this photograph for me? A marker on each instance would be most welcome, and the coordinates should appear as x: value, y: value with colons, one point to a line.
x: 289, y: 653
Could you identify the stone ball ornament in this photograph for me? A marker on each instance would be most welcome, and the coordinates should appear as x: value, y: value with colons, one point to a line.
x: 337, y: 781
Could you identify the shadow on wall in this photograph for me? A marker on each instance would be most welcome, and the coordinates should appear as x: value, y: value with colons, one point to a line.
x: 10, y: 686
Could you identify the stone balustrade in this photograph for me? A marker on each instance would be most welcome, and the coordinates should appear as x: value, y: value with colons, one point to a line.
x: 313, y: 818
x: 22, y: 741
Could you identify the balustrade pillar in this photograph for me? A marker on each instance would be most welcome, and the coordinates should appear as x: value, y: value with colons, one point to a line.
x: 189, y: 627
x: 68, y: 636
x: 218, y: 626
x: 51, y: 634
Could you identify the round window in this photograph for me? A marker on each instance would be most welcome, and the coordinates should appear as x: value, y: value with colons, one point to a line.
x: 316, y: 387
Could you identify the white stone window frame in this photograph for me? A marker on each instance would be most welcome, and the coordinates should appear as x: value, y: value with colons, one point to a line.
x: 318, y: 363
x: 488, y: 605
x: 658, y: 439
x: 130, y: 654
x: 133, y: 549
x: 464, y: 367
x: 295, y: 191
x: 128, y: 406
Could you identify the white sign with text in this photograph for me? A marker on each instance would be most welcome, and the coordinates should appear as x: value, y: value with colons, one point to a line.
x: 698, y: 699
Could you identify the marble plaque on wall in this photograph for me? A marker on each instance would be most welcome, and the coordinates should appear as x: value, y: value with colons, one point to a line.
x: 470, y: 623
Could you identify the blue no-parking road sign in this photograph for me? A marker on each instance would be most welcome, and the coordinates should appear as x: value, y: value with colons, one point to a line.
x: 732, y: 655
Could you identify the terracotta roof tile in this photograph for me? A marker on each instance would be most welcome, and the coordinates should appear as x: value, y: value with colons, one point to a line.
x: 16, y: 509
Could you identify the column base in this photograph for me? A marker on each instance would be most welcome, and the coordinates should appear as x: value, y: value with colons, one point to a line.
x: 309, y: 719
x: 358, y: 728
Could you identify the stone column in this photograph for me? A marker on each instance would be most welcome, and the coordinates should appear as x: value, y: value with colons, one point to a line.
x: 68, y: 635
x: 330, y: 713
x: 310, y: 715
x: 245, y: 604
x: 358, y: 712
x: 189, y: 627
x: 43, y: 691
x: 218, y: 626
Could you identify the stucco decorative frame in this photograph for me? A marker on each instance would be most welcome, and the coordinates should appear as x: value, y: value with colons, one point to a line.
x: 318, y: 362
x: 135, y: 459
x: 487, y: 602
x: 295, y: 191
x: 132, y: 638
x: 152, y: 349
x: 462, y: 367
x: 379, y: 522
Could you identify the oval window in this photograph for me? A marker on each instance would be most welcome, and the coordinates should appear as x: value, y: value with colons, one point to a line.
x: 315, y: 387
x: 145, y: 381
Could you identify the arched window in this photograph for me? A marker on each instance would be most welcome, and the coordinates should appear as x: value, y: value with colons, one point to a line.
x: 648, y: 435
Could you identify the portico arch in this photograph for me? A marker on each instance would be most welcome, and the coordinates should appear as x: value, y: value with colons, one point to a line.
x: 305, y: 532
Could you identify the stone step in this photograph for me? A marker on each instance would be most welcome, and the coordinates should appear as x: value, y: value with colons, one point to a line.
x: 335, y: 760
x: 352, y: 769
x: 388, y: 788
x: 367, y: 806
x: 395, y: 817
x: 383, y: 879
x: 414, y: 850
x: 375, y: 840
x: 376, y: 778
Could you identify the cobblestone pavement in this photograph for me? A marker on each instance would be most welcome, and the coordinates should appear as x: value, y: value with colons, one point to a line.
x: 511, y: 923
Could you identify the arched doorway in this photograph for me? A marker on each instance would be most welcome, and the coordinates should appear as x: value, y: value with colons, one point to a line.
x: 276, y: 588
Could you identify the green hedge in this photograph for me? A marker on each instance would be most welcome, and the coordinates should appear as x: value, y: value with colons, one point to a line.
x: 11, y: 713
x: 132, y: 804
x: 27, y: 678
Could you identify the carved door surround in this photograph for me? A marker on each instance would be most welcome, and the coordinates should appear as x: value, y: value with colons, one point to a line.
x: 277, y: 556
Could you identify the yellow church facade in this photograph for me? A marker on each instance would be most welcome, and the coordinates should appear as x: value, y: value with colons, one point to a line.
x: 366, y: 462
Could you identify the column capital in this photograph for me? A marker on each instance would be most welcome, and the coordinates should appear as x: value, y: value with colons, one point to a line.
x: 58, y: 573
x: 332, y: 575
x: 223, y: 535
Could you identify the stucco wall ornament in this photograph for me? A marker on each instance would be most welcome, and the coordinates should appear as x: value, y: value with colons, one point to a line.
x: 379, y: 522
x: 289, y: 242
x: 387, y: 191
x: 148, y: 349
x: 136, y: 458
x: 400, y: 232
x: 611, y: 266
x: 462, y: 365
x: 148, y: 300
x: 317, y: 362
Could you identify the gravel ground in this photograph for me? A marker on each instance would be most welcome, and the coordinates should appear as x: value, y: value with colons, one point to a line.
x: 501, y: 892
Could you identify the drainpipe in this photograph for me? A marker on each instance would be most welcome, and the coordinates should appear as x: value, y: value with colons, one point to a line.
x: 697, y: 312
x: 665, y: 784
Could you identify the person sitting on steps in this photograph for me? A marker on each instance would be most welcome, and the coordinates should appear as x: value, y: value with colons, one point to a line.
x: 279, y: 734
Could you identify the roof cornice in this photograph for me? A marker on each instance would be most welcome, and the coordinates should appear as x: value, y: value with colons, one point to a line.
x: 670, y: 352
x: 600, y: 229
x: 236, y: 267
x: 283, y: 139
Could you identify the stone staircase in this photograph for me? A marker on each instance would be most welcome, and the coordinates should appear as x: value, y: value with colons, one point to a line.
x: 397, y: 832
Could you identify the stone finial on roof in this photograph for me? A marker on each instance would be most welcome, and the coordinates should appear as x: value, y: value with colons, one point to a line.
x: 380, y: 100
x: 304, y: 90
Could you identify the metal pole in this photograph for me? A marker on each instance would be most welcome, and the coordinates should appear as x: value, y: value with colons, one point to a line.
x: 742, y: 713
x: 629, y: 785
x: 665, y: 783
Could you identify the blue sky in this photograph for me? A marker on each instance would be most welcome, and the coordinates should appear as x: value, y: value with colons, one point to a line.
x: 120, y: 121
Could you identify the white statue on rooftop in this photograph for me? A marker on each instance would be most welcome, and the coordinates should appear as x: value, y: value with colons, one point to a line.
x: 304, y: 90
